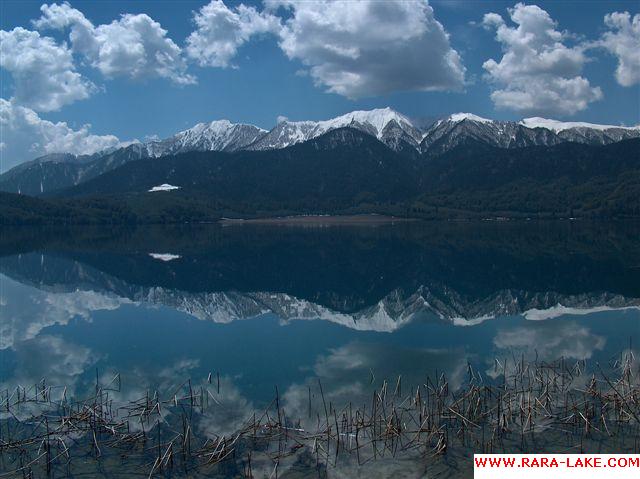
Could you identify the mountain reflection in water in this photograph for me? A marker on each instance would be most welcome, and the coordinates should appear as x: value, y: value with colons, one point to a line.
x: 266, y: 306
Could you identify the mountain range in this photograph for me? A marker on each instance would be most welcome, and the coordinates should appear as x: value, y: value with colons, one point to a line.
x: 378, y: 278
x: 398, y: 132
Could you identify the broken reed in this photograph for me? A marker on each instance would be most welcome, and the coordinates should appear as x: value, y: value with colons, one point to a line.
x: 531, y: 406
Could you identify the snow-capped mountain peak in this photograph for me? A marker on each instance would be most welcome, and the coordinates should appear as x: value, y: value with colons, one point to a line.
x: 385, y: 124
x: 458, y: 117
x: 214, y: 127
x: 455, y: 129
x: 218, y: 135
x: 558, y: 126
x: 378, y: 119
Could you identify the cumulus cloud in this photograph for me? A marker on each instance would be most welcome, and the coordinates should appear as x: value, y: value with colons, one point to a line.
x: 45, y: 77
x: 43, y: 72
x: 25, y: 136
x: 368, y: 48
x: 354, y: 49
x: 623, y: 41
x: 220, y: 31
x: 538, y: 73
x: 134, y: 46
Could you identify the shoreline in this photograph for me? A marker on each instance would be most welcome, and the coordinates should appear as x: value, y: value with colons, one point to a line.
x: 366, y: 219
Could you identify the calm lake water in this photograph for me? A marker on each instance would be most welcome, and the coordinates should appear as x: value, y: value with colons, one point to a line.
x: 245, y: 309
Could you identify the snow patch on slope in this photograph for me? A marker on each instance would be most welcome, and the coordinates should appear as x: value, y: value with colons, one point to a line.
x: 164, y: 187
x: 165, y: 256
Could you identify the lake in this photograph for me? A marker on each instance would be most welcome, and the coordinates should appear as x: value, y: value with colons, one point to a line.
x: 368, y: 350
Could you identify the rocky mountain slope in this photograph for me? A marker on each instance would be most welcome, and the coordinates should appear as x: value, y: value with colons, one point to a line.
x: 221, y: 135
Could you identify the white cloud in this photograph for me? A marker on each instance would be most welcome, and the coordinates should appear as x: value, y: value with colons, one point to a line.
x: 45, y: 78
x: 27, y: 310
x: 43, y: 73
x: 59, y: 361
x: 220, y: 31
x: 230, y: 413
x: 549, y: 341
x: 369, y: 48
x: 538, y: 73
x: 623, y: 41
x: 134, y: 46
x: 26, y: 136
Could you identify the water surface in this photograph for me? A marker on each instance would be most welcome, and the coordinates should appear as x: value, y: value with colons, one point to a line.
x: 246, y: 309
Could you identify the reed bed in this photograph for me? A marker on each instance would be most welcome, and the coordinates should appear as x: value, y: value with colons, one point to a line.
x: 525, y: 406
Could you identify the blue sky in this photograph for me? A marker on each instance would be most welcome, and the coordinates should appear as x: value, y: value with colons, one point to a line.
x: 261, y: 80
